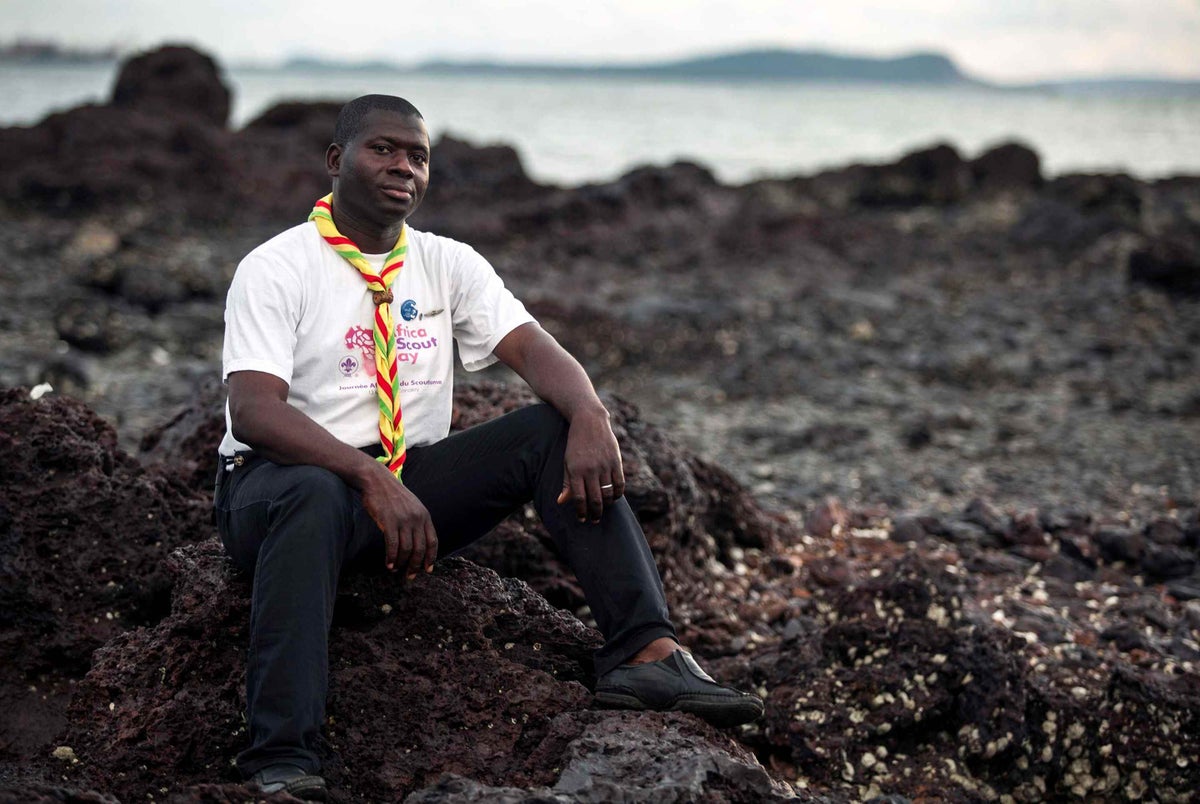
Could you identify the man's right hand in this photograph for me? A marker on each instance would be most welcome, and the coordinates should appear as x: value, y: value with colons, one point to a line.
x: 411, y: 542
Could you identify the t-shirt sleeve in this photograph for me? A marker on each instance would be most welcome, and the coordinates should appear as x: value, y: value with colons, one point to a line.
x: 484, y: 309
x: 262, y: 312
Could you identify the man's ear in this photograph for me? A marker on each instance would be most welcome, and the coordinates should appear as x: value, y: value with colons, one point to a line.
x: 333, y: 160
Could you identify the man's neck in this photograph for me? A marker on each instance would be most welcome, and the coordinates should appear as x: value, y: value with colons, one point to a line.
x: 369, y: 239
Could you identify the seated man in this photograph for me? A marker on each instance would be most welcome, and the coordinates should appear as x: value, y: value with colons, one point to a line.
x: 339, y: 361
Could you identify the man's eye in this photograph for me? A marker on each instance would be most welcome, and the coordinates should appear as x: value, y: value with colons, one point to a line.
x: 419, y: 158
x: 380, y: 149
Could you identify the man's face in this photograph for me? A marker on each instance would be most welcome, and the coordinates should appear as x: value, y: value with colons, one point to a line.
x: 381, y: 175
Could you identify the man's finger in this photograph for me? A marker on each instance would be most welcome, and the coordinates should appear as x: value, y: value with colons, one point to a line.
x: 608, y: 487
x: 618, y: 481
x: 608, y: 490
x: 579, y: 494
x: 392, y: 544
x: 417, y: 556
x: 405, y: 551
x: 431, y: 546
x: 565, y: 494
x: 595, y: 499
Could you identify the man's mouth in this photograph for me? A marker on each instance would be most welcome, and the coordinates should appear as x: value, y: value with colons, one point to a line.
x: 398, y: 193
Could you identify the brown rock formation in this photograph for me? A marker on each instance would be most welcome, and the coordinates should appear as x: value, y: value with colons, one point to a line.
x: 173, y: 80
x: 84, y: 531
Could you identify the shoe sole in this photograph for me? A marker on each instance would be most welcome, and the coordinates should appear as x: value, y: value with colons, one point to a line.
x: 309, y: 791
x: 305, y: 788
x: 719, y: 713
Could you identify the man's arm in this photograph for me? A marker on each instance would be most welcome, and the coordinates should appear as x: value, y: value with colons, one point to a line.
x: 262, y: 418
x: 593, y: 476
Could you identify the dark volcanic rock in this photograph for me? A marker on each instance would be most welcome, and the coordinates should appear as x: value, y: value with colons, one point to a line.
x: 649, y: 213
x: 1068, y: 569
x: 678, y: 184
x: 936, y: 175
x: 186, y: 444
x: 1165, y: 562
x: 308, y: 124
x: 84, y: 530
x: 1165, y: 531
x: 93, y: 326
x: 1057, y: 225
x: 908, y: 529
x: 281, y: 158
x: 856, y: 704
x: 987, y: 516
x: 608, y: 762
x: 1011, y: 166
x: 1026, y: 528
x: 1120, y: 544
x: 1113, y: 200
x: 103, y: 155
x: 1078, y: 547
x: 899, y: 687
x: 465, y: 171
x: 173, y: 81
x: 770, y: 216
x: 1170, y: 261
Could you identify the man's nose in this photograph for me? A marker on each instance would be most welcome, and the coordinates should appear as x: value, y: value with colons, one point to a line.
x: 401, y: 165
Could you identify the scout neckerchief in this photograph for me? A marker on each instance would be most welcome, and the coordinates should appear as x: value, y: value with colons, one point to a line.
x: 391, y: 420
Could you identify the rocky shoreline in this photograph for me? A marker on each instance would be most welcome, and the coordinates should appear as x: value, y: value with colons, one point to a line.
x: 916, y: 454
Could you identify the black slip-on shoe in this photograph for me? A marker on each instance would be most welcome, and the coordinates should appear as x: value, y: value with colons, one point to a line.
x: 290, y: 779
x: 677, y: 684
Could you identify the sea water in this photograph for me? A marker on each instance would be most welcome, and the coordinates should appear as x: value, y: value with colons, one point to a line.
x: 578, y: 129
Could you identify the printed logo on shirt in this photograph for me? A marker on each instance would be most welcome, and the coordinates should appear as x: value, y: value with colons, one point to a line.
x: 349, y: 365
x: 411, y: 342
x: 413, y: 345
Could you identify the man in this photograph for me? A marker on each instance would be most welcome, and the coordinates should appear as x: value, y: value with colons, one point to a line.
x: 336, y: 451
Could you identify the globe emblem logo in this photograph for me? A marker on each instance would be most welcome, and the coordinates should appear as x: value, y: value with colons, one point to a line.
x: 348, y: 365
x: 408, y: 310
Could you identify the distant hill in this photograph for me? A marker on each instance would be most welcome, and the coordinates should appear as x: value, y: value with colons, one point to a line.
x: 928, y: 69
x: 750, y: 65
x: 314, y: 63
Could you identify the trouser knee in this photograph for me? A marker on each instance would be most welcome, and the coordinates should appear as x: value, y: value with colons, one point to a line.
x: 304, y: 510
x: 545, y: 425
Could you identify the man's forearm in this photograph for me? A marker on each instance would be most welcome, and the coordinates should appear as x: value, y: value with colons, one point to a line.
x: 556, y: 377
x: 286, y: 435
x: 551, y: 372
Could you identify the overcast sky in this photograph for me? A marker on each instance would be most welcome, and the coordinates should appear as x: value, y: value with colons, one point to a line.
x: 1000, y: 40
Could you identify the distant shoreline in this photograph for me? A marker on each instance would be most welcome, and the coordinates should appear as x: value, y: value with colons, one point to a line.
x: 35, y: 52
x: 745, y: 66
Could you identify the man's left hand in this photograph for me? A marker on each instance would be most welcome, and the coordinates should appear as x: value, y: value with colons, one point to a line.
x: 592, y: 473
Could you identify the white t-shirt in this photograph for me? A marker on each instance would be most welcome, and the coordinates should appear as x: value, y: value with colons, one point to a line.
x: 299, y: 311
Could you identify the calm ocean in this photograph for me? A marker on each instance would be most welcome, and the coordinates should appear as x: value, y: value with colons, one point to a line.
x: 571, y: 130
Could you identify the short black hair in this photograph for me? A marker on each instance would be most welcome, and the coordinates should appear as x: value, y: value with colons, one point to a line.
x: 350, y: 118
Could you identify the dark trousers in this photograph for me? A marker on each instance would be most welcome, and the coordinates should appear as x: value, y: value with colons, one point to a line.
x: 295, y: 528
